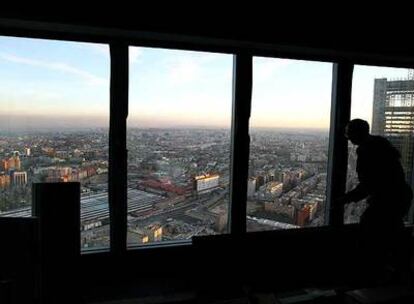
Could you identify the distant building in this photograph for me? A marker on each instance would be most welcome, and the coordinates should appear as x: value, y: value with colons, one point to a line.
x: 157, y: 234
x: 62, y: 154
x: 77, y: 153
x: 205, y: 183
x: 27, y: 151
x: 48, y: 151
x: 57, y: 175
x: 278, y: 175
x: 146, y: 235
x: 19, y: 178
x: 16, y: 163
x: 12, y: 163
x: 162, y: 187
x: 4, y: 165
x: 313, y: 208
x: 280, y: 208
x: 393, y: 117
x: 4, y: 181
x: 303, y: 216
x: 221, y: 222
x: 260, y: 181
x: 251, y: 187
x: 274, y: 188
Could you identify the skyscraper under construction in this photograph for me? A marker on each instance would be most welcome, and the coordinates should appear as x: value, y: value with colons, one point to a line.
x: 393, y: 117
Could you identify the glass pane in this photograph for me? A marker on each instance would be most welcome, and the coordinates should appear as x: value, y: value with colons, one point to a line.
x: 384, y: 97
x: 289, y: 131
x: 178, y: 142
x: 54, y: 118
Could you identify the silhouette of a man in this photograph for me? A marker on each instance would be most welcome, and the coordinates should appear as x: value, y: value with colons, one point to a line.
x: 382, y: 183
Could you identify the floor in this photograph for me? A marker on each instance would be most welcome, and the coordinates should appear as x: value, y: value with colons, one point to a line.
x: 385, y: 295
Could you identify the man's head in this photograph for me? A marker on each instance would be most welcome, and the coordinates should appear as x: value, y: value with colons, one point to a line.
x: 357, y: 131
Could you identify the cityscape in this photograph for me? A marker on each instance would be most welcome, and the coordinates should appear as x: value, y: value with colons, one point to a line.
x: 178, y: 179
x: 55, y: 129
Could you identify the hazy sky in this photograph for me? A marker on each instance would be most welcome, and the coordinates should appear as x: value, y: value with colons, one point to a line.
x: 46, y: 83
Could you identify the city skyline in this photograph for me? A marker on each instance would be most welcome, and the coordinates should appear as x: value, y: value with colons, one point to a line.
x: 40, y: 78
x: 54, y: 127
x: 178, y: 181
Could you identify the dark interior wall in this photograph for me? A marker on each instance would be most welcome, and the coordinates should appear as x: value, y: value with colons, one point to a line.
x: 320, y: 256
x: 276, y: 259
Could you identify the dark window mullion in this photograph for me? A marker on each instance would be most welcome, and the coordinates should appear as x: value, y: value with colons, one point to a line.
x: 338, y: 144
x: 240, y: 141
x: 117, y: 147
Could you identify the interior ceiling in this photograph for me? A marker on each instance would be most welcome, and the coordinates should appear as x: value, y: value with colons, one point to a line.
x: 333, y: 33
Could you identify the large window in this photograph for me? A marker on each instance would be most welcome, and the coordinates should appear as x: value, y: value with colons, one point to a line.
x: 54, y: 118
x: 178, y: 141
x: 289, y: 131
x: 384, y: 97
x: 54, y: 127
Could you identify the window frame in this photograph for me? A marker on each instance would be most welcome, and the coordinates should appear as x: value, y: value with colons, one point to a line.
x: 120, y: 40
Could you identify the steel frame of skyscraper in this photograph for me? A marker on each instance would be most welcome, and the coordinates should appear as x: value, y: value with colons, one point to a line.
x: 393, y: 117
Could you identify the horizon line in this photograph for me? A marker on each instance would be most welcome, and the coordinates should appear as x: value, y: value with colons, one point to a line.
x: 188, y: 127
